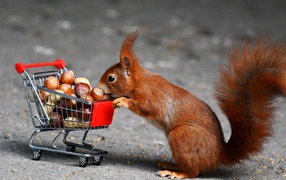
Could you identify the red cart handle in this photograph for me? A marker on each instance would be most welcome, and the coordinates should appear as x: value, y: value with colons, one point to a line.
x: 21, y: 67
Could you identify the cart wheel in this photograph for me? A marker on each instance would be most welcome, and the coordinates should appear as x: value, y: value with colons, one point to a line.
x: 83, y: 161
x: 97, y: 160
x: 70, y: 148
x: 37, y: 154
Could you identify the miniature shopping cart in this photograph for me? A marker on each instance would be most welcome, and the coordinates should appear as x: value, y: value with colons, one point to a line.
x: 58, y: 116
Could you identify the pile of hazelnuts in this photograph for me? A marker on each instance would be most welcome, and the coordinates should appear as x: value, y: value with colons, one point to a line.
x: 61, y: 109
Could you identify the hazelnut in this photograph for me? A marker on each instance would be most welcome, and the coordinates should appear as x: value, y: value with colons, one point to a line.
x: 55, y: 116
x: 43, y: 96
x: 53, y: 97
x: 96, y: 93
x: 82, y: 114
x: 85, y: 115
x: 60, y: 109
x: 49, y: 106
x: 82, y: 80
x: 72, y: 122
x: 56, y: 120
x: 81, y: 88
x: 86, y: 97
x: 67, y: 78
x: 52, y: 83
x: 66, y: 88
x: 68, y: 102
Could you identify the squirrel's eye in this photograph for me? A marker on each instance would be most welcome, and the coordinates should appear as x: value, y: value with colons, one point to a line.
x: 111, y: 78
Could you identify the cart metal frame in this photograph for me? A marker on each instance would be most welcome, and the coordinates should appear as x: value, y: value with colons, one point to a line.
x: 34, y: 83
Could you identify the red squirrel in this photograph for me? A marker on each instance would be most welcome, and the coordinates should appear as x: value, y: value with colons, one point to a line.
x: 254, y: 75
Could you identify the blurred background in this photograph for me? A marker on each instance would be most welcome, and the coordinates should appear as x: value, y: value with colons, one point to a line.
x: 184, y: 41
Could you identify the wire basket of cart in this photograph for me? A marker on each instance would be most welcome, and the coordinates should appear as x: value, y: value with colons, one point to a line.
x: 53, y: 110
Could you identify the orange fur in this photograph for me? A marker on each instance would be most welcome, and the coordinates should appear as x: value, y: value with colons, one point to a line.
x: 254, y: 75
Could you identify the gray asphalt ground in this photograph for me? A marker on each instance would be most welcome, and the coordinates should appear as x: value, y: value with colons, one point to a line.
x: 184, y: 41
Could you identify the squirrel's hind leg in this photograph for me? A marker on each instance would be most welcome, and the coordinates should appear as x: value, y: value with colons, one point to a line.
x: 193, y: 150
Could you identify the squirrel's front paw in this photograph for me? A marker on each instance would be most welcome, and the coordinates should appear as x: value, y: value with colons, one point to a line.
x: 119, y: 102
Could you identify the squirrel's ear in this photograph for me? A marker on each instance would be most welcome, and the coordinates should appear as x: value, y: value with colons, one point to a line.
x: 125, y: 64
x: 127, y: 45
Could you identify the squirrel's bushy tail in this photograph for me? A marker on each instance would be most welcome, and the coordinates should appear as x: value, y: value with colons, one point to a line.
x: 254, y: 75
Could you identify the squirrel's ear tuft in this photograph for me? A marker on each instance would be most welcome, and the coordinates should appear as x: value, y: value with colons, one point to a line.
x: 127, y: 45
